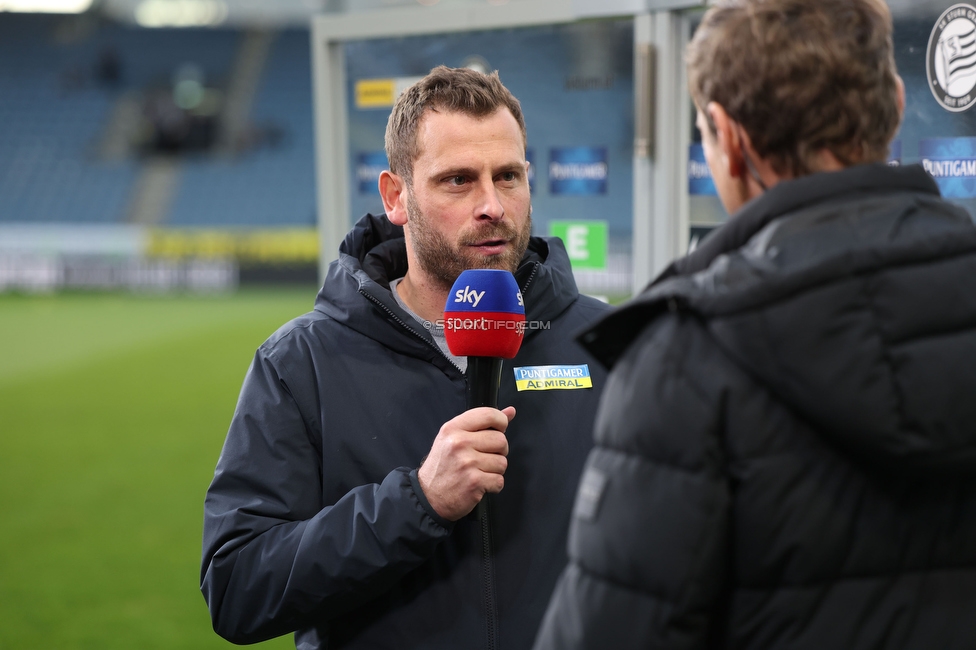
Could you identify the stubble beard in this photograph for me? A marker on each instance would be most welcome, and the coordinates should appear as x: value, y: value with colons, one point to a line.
x: 443, y: 261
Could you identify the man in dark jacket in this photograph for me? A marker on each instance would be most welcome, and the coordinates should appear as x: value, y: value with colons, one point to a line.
x: 786, y: 448
x: 318, y: 520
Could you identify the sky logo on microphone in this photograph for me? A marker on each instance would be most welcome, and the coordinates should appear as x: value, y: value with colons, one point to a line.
x: 484, y: 315
x: 474, y: 297
x: 485, y: 290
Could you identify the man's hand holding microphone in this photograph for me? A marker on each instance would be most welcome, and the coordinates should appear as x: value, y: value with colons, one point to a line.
x: 484, y: 320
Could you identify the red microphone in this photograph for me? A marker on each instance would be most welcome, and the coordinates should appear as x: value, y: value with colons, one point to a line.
x: 484, y: 320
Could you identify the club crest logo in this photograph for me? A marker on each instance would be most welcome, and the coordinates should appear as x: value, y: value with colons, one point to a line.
x: 951, y: 58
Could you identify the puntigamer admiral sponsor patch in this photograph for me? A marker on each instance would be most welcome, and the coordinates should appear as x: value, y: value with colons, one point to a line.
x: 553, y: 377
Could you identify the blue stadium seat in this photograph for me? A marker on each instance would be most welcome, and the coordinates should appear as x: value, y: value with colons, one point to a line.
x: 271, y: 186
x: 53, y: 112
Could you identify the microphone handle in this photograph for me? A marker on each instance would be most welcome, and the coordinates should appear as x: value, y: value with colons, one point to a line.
x: 483, y: 377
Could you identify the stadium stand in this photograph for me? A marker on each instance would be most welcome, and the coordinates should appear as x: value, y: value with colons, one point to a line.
x: 273, y: 183
x: 50, y: 115
x: 61, y: 80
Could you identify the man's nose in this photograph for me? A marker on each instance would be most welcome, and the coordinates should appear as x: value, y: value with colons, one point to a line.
x: 489, y: 206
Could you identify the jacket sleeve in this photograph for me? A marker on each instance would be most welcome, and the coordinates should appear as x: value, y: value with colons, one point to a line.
x: 275, y: 557
x: 650, y: 524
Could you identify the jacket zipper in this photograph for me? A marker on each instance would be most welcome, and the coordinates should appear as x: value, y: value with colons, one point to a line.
x: 528, y: 281
x: 488, y: 577
x: 400, y: 322
x: 378, y: 303
x: 487, y: 570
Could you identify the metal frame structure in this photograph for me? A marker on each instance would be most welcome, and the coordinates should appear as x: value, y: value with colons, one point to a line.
x: 660, y: 218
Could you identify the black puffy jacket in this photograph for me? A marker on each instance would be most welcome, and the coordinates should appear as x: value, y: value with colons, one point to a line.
x: 786, y: 448
x: 315, y: 521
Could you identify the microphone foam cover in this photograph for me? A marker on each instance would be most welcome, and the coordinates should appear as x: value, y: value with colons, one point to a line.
x: 484, y: 315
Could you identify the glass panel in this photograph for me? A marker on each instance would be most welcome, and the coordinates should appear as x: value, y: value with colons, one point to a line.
x: 705, y: 210
x: 354, y: 6
x: 935, y: 51
x: 575, y: 85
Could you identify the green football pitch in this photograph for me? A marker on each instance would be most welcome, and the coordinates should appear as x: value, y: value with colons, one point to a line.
x: 113, y: 409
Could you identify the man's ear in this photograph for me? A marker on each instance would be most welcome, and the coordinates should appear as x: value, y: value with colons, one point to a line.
x: 901, y: 96
x: 393, y: 191
x: 727, y: 138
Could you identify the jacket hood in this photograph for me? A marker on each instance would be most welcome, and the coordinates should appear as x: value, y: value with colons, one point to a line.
x: 357, y: 292
x: 847, y: 295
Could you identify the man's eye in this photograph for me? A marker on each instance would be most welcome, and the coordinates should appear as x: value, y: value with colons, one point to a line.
x: 458, y: 180
x: 509, y: 176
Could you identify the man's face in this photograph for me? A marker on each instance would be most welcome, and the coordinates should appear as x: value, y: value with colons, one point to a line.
x: 469, y: 204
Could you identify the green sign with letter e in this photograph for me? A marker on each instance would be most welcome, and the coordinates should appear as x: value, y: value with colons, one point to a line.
x: 586, y: 243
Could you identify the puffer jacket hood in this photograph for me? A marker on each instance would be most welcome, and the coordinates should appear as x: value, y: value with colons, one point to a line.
x: 824, y: 291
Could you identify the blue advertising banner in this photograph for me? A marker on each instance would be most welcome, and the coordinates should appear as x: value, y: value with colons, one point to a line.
x: 369, y: 164
x: 575, y: 83
x: 700, y: 181
x: 894, y: 153
x: 578, y: 171
x: 952, y: 162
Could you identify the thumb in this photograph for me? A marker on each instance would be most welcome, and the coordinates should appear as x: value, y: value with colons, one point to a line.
x: 509, y: 412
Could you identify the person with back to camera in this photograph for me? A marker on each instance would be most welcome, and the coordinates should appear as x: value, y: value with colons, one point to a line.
x: 786, y: 448
x: 318, y: 520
